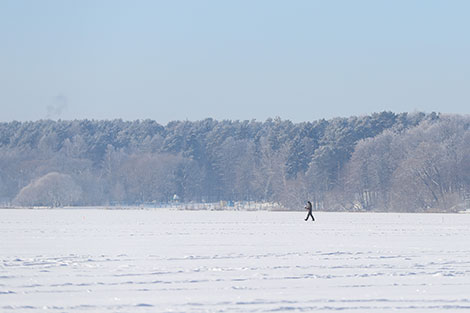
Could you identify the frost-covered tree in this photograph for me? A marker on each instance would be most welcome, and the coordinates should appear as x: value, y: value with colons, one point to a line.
x: 335, y: 163
x: 53, y: 189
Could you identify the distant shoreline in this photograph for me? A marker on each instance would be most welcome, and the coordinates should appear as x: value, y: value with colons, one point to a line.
x: 140, y: 208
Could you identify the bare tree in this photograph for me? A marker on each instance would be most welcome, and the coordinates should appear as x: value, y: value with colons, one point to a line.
x: 53, y: 189
x: 271, y: 172
x: 429, y: 176
x: 370, y: 170
x: 151, y: 177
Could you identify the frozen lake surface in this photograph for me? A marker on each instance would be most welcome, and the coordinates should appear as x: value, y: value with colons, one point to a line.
x: 203, y: 261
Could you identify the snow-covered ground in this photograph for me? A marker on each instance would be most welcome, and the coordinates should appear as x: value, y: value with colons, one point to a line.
x: 206, y: 261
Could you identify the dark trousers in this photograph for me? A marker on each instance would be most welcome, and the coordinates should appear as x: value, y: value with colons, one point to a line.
x: 310, y: 214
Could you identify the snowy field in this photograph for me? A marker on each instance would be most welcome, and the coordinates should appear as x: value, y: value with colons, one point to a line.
x: 206, y: 261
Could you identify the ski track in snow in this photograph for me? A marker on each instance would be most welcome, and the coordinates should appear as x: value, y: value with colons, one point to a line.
x: 207, y: 261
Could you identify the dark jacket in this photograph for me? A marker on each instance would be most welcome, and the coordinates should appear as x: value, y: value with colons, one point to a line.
x: 308, y: 206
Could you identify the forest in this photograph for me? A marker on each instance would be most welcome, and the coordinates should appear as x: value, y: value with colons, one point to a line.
x: 402, y: 162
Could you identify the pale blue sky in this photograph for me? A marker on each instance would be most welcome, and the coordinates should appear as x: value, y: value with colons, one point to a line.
x: 174, y: 60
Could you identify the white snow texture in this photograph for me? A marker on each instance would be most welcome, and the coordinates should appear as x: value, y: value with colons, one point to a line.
x: 206, y: 261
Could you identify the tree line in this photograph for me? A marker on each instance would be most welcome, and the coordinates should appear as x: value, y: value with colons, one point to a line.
x: 383, y: 161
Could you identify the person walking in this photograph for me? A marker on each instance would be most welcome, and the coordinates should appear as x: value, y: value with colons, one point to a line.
x: 309, y: 208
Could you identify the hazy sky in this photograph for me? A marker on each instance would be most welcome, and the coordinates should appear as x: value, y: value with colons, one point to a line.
x: 174, y: 60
